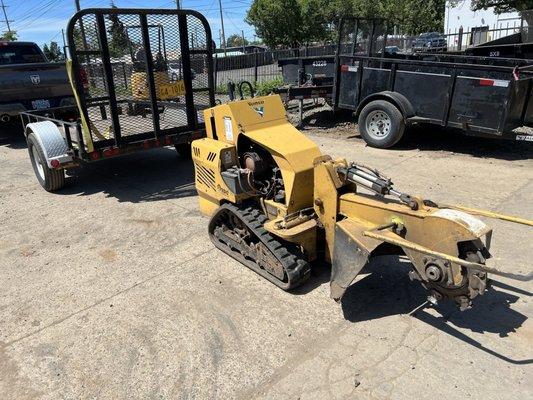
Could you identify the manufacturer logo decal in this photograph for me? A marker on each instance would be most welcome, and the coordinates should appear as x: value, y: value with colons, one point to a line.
x: 259, y: 110
x: 258, y: 107
x: 35, y: 79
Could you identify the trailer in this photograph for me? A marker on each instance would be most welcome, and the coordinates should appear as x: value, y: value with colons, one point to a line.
x: 386, y: 91
x: 127, y: 99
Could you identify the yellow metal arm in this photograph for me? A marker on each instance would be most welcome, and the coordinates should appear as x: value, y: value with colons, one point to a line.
x: 468, y: 264
x: 489, y: 214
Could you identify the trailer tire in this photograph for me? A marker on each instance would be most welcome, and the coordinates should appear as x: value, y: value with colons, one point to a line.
x: 50, y: 179
x: 184, y: 150
x: 381, y: 124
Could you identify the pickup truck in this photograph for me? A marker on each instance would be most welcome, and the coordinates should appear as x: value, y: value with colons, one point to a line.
x: 29, y: 82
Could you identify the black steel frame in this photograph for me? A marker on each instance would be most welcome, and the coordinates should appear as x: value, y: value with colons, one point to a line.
x: 118, y: 140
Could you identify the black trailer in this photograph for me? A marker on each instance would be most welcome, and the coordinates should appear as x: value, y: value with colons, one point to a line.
x: 483, y: 96
x: 126, y: 97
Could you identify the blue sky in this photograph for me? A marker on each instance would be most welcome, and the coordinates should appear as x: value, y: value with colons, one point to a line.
x: 41, y: 21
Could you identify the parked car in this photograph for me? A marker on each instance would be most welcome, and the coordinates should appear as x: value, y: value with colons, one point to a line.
x: 390, y: 50
x: 430, y: 41
x: 29, y: 82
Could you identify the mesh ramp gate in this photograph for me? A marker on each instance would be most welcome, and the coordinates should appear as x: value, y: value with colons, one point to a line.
x: 141, y: 74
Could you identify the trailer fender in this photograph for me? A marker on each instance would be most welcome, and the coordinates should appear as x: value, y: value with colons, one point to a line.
x: 399, y: 100
x: 51, y: 141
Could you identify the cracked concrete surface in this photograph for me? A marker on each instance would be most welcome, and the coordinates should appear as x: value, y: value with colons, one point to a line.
x: 112, y: 290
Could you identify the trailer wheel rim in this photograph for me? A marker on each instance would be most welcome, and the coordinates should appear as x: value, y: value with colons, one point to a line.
x: 38, y: 163
x: 378, y: 124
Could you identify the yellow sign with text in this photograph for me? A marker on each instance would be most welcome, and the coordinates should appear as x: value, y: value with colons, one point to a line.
x: 171, y: 90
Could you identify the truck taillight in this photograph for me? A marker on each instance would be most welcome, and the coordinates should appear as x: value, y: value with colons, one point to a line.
x: 84, y: 79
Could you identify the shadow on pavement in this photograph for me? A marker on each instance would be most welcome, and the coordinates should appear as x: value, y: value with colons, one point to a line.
x: 435, y: 138
x: 388, y: 291
x: 326, y: 119
x: 320, y: 274
x: 12, y: 136
x: 151, y: 175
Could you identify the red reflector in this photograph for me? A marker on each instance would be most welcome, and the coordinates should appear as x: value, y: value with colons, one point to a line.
x: 94, y: 155
x: 344, y: 68
x: 108, y: 152
x: 54, y: 163
x: 486, y: 82
x: 115, y: 151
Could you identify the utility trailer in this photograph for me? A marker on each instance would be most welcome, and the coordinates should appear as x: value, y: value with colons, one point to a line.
x: 127, y: 98
x: 483, y: 96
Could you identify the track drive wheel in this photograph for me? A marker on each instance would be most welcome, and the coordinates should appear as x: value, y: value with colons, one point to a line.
x: 239, y: 232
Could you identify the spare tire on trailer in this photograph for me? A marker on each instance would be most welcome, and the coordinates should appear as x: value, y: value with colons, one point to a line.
x: 50, y: 179
x: 381, y: 124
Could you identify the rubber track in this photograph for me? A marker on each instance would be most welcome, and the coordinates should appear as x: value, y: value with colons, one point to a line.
x: 297, y: 270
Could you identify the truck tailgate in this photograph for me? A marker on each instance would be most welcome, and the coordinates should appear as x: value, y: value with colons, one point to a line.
x: 19, y: 82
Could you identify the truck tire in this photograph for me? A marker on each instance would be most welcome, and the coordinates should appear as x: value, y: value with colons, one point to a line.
x: 381, y: 124
x: 50, y: 179
x: 184, y: 150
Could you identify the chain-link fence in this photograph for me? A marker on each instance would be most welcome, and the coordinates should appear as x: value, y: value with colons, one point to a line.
x: 261, y: 67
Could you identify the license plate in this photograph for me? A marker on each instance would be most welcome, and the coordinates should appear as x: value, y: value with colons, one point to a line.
x: 175, y: 89
x: 525, y: 138
x: 40, y: 104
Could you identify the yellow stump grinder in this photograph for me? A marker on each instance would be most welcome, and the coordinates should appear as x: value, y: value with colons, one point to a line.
x: 276, y: 203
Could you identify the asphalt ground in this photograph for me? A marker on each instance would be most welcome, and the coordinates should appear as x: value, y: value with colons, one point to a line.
x: 111, y: 289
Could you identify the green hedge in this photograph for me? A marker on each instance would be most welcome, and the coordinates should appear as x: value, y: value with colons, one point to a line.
x: 262, y: 88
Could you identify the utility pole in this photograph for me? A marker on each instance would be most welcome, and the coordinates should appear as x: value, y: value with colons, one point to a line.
x: 243, y: 42
x: 82, y: 28
x: 222, y: 24
x: 64, y: 43
x: 5, y: 17
x: 178, y: 4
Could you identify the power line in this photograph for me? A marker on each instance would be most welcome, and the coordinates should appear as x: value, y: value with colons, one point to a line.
x: 44, y: 10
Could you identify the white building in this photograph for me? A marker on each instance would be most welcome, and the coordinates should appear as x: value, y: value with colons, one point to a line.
x: 478, y: 26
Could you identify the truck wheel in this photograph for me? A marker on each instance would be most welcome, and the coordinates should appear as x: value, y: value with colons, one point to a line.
x: 50, y: 179
x: 381, y: 124
x: 183, y: 149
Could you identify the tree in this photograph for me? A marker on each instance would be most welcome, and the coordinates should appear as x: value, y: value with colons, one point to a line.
x: 294, y: 22
x: 410, y: 16
x: 502, y: 6
x: 9, y: 36
x: 53, y: 52
x: 119, y: 43
x: 236, y: 41
x: 289, y: 22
